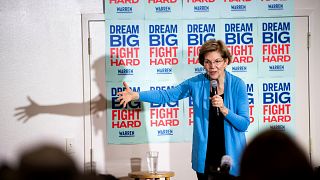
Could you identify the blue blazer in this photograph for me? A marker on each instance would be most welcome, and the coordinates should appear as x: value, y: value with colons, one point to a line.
x: 235, y: 123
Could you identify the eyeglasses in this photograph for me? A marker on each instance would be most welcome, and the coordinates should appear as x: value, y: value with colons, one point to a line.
x: 215, y: 62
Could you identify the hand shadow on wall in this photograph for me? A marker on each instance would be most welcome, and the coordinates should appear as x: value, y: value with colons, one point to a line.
x: 96, y: 104
x: 97, y: 107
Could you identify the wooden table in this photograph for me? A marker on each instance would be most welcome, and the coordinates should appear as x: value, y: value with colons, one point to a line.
x: 147, y: 175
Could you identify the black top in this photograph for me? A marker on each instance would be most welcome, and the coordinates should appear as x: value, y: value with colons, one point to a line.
x: 216, y: 145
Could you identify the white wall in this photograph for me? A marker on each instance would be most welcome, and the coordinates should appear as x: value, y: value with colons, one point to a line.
x: 40, y: 58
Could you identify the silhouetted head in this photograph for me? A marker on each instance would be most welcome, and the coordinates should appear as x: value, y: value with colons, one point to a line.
x: 274, y: 155
x: 47, y: 162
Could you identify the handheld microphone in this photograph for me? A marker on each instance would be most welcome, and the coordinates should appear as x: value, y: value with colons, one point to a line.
x: 214, y: 91
x: 226, y: 162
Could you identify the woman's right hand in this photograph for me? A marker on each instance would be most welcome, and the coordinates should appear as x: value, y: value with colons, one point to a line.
x: 127, y: 95
x: 24, y: 113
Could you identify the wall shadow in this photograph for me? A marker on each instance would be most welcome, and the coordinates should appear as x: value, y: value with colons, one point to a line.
x: 97, y: 112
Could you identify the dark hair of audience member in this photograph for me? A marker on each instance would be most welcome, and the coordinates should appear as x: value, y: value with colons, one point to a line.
x: 274, y: 155
x: 47, y: 162
x: 7, y: 172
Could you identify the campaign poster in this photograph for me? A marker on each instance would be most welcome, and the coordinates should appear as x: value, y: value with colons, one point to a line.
x: 125, y: 50
x: 240, y: 37
x: 165, y: 122
x: 125, y: 125
x: 195, y: 33
x: 234, y: 9
x: 155, y: 43
x: 200, y: 9
x: 253, y: 98
x: 164, y: 49
x: 163, y: 9
x: 277, y: 109
x: 188, y: 118
x: 277, y: 47
x: 124, y: 9
x: 274, y: 8
x: 143, y: 122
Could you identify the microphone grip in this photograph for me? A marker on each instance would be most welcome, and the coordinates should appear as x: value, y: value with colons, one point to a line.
x: 214, y: 92
x: 218, y: 113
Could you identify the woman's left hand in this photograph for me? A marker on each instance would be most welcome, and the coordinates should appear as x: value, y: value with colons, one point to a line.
x: 217, y: 101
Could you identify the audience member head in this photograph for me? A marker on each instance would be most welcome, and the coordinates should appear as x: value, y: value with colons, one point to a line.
x: 47, y: 162
x: 7, y: 173
x: 274, y: 155
x: 317, y: 172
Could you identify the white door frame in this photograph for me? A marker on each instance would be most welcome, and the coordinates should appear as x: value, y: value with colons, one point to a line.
x: 86, y: 19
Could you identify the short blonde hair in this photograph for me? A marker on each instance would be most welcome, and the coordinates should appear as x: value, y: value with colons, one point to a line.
x: 214, y: 45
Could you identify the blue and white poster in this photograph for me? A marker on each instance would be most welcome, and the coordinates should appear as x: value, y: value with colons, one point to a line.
x: 241, y: 39
x: 277, y: 110
x: 276, y: 46
x: 124, y: 9
x: 234, y: 9
x: 199, y: 9
x: 275, y: 8
x: 195, y: 33
x: 125, y: 125
x: 253, y: 98
x: 159, y: 48
x: 165, y: 122
x: 163, y: 9
x: 125, y: 50
x: 164, y: 49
